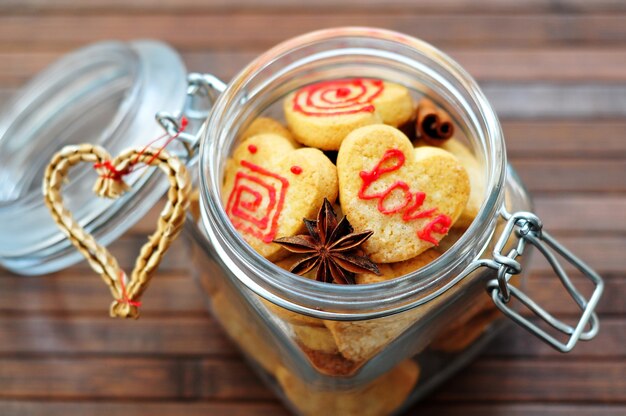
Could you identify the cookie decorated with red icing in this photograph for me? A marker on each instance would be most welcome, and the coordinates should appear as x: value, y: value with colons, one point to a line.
x: 270, y: 185
x: 263, y: 125
x: 323, y: 114
x: 476, y: 175
x: 409, y: 197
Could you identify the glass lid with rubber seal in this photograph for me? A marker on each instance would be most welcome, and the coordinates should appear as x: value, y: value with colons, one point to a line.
x: 105, y: 94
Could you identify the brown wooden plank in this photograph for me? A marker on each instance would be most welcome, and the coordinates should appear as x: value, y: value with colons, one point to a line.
x: 18, y: 67
x: 543, y: 100
x: 559, y: 65
x: 610, y: 343
x: 425, y: 6
x: 487, y: 379
x: 79, y: 290
x: 547, y: 290
x: 229, y: 380
x: 67, y: 294
x: 538, y: 101
x: 538, y: 380
x: 248, y: 30
x: 572, y: 138
x: 604, y: 254
x: 532, y: 102
x: 517, y: 409
x: 33, y: 408
x: 555, y: 64
x: 105, y: 336
x: 183, y: 336
x: 102, y: 378
x: 46, y: 408
x: 127, y: 248
x: 572, y: 175
x: 71, y: 291
x: 582, y: 213
x: 128, y: 378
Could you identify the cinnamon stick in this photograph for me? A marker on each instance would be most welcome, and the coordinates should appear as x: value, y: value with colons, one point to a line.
x: 434, y: 126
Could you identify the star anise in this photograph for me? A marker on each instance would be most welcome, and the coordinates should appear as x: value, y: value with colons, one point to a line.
x: 332, y: 247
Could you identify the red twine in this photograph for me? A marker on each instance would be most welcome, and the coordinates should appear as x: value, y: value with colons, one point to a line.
x: 117, y: 174
x: 125, y: 298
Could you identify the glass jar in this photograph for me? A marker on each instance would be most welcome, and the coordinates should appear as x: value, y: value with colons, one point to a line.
x: 374, y: 348
x: 368, y: 349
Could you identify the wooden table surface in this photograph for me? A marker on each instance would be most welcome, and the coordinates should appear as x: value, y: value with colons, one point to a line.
x: 555, y: 72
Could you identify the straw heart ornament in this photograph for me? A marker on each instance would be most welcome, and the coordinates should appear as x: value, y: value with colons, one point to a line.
x: 110, y: 184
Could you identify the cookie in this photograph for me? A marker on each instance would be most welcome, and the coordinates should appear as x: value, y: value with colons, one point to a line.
x: 285, y: 314
x: 394, y: 105
x: 315, y: 338
x: 392, y: 270
x: 243, y: 330
x: 409, y: 266
x: 330, y: 363
x: 291, y: 317
x: 270, y: 185
x: 477, y: 178
x: 386, y: 273
x: 322, y: 114
x: 408, y: 197
x: 360, y: 340
x: 206, y: 271
x: 381, y: 396
x: 458, y: 337
x: 319, y: 346
x: 449, y: 240
x: 263, y: 125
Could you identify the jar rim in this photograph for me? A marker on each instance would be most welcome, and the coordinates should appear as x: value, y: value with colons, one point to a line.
x: 349, y: 302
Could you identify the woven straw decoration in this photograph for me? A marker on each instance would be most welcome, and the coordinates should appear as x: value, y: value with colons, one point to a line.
x: 110, y: 185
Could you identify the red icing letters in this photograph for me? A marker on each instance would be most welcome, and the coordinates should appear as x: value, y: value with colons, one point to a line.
x: 440, y: 225
x: 392, y: 160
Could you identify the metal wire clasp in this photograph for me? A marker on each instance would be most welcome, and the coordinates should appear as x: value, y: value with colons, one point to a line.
x: 202, y: 91
x: 528, y: 228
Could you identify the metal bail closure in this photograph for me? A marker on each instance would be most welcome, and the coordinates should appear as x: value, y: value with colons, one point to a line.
x: 527, y: 227
x: 202, y: 92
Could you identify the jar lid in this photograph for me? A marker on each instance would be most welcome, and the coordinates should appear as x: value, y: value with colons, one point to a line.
x: 105, y: 94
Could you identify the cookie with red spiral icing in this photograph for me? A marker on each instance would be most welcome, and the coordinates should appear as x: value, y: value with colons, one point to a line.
x: 322, y: 114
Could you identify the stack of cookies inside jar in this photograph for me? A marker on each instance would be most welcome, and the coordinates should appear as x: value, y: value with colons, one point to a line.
x: 356, y: 181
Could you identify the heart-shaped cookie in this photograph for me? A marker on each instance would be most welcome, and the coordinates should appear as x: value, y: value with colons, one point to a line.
x: 110, y: 184
x: 322, y: 114
x: 270, y: 186
x: 408, y: 197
